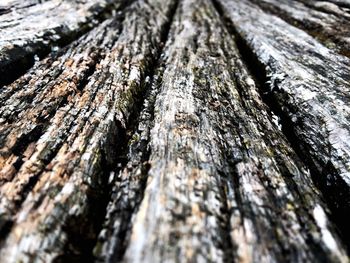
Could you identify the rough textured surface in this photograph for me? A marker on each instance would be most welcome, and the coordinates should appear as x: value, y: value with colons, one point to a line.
x: 326, y: 22
x: 61, y: 150
x: 308, y: 85
x: 218, y: 163
x: 190, y: 130
x: 31, y: 29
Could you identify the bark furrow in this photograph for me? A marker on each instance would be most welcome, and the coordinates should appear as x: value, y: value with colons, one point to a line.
x: 307, y: 85
x: 223, y: 183
x: 130, y: 174
x: 174, y: 130
x: 64, y: 168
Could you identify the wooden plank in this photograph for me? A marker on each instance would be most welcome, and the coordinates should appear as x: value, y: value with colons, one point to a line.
x: 75, y: 107
x: 29, y: 30
x: 223, y: 184
x: 307, y: 85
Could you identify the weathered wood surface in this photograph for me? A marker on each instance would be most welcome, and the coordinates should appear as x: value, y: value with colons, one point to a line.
x: 328, y: 23
x: 308, y: 85
x: 31, y: 29
x: 190, y: 130
x: 340, y: 3
x: 213, y: 187
x: 61, y: 150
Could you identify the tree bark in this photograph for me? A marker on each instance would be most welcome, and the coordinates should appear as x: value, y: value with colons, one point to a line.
x: 32, y: 29
x: 327, y: 23
x: 218, y: 177
x: 307, y: 85
x: 177, y: 130
x: 56, y: 159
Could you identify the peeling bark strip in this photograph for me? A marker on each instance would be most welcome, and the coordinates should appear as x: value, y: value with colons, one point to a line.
x: 333, y: 29
x: 223, y: 183
x: 309, y: 88
x: 31, y: 31
x: 64, y: 167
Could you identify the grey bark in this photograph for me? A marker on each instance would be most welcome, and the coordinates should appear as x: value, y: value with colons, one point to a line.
x: 32, y: 29
x: 327, y: 23
x: 307, y: 84
x: 190, y: 130
x: 223, y: 181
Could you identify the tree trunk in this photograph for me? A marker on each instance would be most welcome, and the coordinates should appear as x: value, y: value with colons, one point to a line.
x: 167, y: 131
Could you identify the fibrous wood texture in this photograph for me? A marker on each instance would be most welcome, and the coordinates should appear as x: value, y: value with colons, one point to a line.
x: 174, y: 131
x: 31, y: 29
